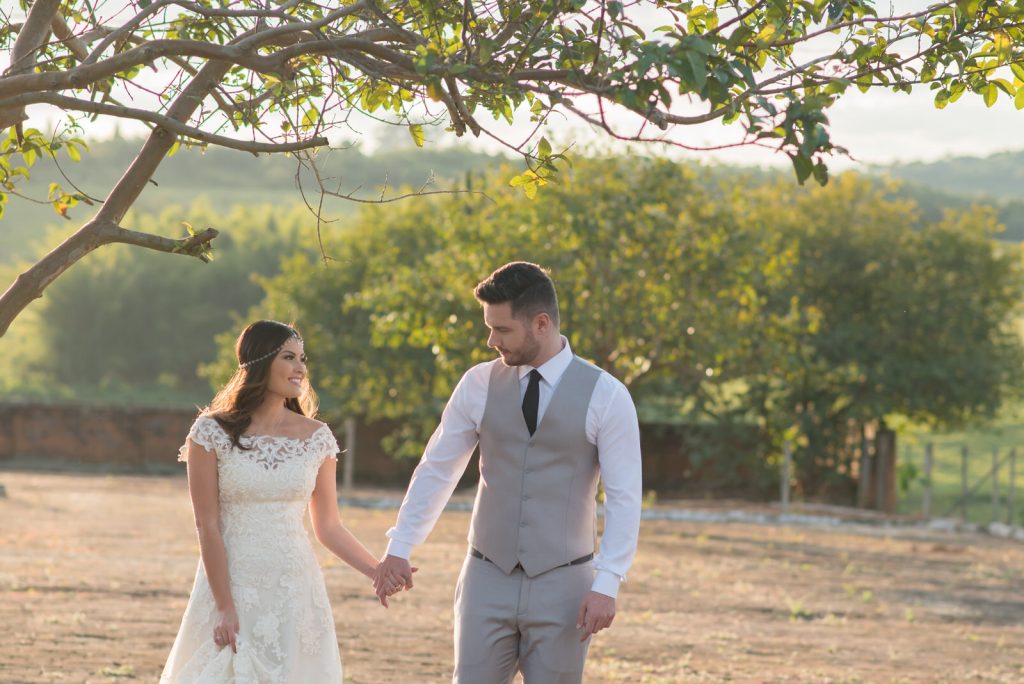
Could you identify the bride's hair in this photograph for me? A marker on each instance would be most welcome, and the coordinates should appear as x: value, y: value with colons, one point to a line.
x: 256, y: 349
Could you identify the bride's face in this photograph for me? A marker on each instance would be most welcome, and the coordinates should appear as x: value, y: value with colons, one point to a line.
x: 288, y: 371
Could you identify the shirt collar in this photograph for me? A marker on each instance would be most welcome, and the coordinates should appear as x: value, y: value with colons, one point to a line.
x: 553, y: 368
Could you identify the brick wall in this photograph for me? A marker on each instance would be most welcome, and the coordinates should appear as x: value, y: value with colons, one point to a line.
x: 694, y: 461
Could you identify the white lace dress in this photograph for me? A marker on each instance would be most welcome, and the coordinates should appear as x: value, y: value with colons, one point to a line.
x: 286, y: 630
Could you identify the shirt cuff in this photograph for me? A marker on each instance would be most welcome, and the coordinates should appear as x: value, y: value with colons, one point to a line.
x: 400, y: 549
x: 606, y: 583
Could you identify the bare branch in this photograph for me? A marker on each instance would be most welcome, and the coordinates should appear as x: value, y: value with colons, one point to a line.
x: 195, y: 245
x: 75, y: 44
x: 23, y: 56
x: 128, y: 27
x: 243, y: 55
x: 460, y: 106
x: 165, y: 122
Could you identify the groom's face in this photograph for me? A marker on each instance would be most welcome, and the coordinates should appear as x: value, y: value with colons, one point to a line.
x: 510, y: 336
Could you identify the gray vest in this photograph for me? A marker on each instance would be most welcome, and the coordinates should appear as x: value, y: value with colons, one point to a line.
x: 535, y: 504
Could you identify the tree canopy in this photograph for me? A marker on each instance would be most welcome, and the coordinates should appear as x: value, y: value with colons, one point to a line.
x: 795, y: 313
x: 268, y: 76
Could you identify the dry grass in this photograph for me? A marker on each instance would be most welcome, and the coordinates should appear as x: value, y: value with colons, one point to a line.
x: 95, y: 571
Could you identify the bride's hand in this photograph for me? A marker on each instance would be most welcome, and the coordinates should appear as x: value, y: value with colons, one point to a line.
x: 225, y: 631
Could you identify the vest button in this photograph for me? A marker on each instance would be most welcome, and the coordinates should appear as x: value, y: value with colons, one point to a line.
x: 525, y: 497
x: 522, y: 524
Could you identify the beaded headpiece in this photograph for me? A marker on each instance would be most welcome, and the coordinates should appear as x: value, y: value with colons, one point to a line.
x: 251, y: 362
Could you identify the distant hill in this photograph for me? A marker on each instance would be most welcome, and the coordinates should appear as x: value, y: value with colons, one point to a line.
x: 228, y: 177
x: 232, y: 177
x: 958, y: 182
x: 999, y: 176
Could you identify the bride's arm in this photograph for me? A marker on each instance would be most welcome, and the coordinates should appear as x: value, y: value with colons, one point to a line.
x: 203, y: 488
x: 323, y: 512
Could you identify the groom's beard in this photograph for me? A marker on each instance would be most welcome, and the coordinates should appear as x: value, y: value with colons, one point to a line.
x: 525, y: 356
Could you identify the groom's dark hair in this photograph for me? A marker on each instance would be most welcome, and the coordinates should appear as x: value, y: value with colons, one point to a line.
x: 527, y: 287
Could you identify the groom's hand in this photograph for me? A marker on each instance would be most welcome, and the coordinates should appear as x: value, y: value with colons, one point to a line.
x: 596, y: 613
x: 393, y: 574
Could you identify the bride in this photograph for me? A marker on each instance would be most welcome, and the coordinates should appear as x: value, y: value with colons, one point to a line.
x: 259, y: 612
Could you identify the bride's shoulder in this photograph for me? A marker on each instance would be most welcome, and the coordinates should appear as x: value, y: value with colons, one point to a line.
x: 205, y: 432
x: 306, y: 425
x: 207, y: 421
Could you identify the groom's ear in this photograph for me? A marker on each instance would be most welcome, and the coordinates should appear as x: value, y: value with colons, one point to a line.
x: 542, y: 322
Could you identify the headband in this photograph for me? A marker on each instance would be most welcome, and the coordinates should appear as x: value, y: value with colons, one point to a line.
x: 266, y: 356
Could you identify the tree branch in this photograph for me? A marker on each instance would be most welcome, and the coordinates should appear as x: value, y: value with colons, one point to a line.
x: 275, y: 63
x: 195, y: 245
x: 23, y: 56
x: 75, y: 44
x: 165, y: 122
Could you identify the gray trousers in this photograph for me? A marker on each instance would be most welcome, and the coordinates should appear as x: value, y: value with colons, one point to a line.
x: 505, y: 623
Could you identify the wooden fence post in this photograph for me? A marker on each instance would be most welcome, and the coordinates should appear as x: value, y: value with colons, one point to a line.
x: 995, y: 484
x: 350, y: 456
x: 926, y: 493
x: 864, y: 474
x: 963, y: 483
x: 885, y: 466
x: 1011, y: 489
x: 787, y: 460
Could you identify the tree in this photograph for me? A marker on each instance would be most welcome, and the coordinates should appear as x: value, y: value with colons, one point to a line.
x: 174, y: 312
x: 745, y: 304
x: 283, y: 75
x: 903, y: 317
x: 657, y: 278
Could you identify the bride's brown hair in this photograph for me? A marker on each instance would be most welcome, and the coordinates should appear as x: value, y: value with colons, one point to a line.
x: 256, y: 349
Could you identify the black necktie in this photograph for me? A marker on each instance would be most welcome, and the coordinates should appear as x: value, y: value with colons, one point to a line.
x: 530, y: 401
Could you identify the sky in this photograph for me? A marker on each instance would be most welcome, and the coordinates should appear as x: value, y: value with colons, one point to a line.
x: 879, y: 127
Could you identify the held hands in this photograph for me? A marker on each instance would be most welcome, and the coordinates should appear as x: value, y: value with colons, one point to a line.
x: 225, y: 631
x: 596, y: 613
x: 393, y: 575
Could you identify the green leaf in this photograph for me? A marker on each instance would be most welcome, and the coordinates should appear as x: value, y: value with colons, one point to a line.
x: 821, y: 173
x: 1018, y: 101
x: 543, y: 148
x: 416, y: 131
x: 990, y: 94
x: 766, y: 33
x: 529, y: 181
x: 803, y: 167
x: 1018, y: 70
x: 73, y: 152
x: 310, y: 117
x: 700, y: 71
x: 942, y: 98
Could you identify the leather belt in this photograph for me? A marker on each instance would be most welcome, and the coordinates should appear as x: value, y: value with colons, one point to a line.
x: 582, y: 559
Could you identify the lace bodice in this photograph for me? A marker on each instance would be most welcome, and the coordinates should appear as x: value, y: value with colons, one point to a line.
x: 287, y: 629
x: 271, y: 468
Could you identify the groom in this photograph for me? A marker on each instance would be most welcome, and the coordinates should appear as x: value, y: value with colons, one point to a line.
x: 531, y: 592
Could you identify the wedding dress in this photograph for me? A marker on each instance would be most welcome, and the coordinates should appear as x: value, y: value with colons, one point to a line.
x: 286, y: 630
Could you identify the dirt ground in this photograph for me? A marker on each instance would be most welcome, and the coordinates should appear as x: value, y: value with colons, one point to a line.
x: 95, y: 572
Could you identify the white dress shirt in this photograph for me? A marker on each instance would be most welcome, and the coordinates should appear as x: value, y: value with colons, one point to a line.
x: 611, y: 426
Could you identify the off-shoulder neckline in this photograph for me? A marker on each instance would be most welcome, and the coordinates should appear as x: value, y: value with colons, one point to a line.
x: 307, y: 438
